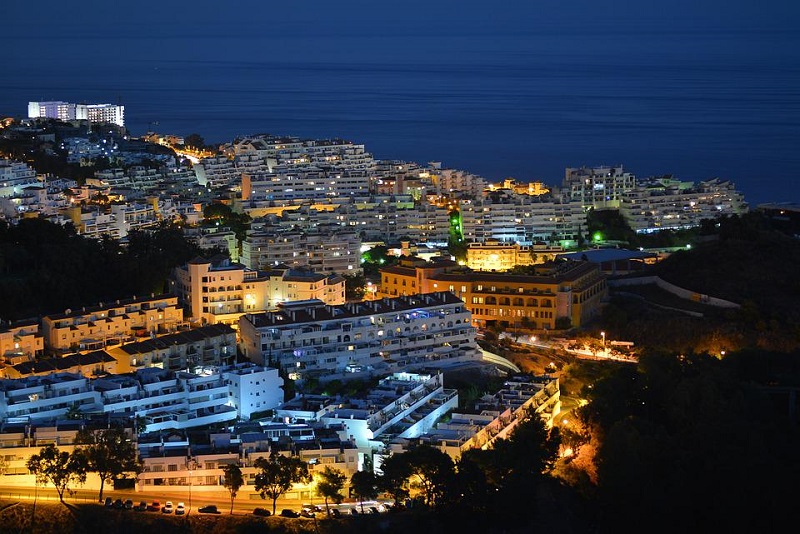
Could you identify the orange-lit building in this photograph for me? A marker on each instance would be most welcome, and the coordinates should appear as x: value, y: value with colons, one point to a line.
x: 493, y: 255
x: 563, y: 290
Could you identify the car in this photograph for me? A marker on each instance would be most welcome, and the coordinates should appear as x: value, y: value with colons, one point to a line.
x: 210, y: 509
x: 128, y: 504
x: 118, y: 504
x: 155, y: 506
x: 307, y: 512
x: 167, y: 509
x: 109, y: 502
x: 289, y: 513
x: 141, y: 507
x: 180, y: 509
x: 263, y: 512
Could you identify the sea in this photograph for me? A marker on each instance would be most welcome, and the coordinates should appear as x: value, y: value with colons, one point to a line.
x: 696, y: 104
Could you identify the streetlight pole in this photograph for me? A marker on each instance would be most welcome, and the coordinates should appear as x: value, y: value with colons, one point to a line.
x: 191, y: 465
x: 603, y: 334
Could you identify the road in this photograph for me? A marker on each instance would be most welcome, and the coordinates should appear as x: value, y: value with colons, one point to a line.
x: 242, y: 504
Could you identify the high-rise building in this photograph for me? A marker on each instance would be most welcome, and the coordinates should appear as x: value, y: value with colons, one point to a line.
x: 67, y: 111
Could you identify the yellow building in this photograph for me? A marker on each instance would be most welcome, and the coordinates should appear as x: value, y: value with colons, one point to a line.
x: 95, y: 327
x: 21, y: 341
x: 492, y: 255
x: 562, y: 290
x: 219, y: 291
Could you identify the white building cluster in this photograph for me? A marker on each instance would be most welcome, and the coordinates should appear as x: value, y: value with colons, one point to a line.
x: 165, y: 399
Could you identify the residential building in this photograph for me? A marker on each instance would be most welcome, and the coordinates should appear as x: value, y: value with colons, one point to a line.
x: 20, y: 341
x: 208, y: 345
x: 311, y: 338
x: 219, y: 291
x: 665, y: 203
x: 164, y: 399
x: 402, y: 405
x: 567, y: 290
x: 492, y: 255
x: 112, y: 323
x: 15, y: 176
x: 496, y: 416
x: 598, y: 187
x: 67, y: 111
x: 333, y: 250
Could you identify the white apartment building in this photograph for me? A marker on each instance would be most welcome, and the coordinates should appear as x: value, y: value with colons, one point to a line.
x: 67, y: 111
x: 496, y: 416
x: 459, y: 184
x: 284, y: 186
x: 666, y: 203
x: 15, y: 176
x: 95, y: 327
x: 165, y: 399
x: 218, y: 291
x: 597, y: 187
x: 328, y: 251
x: 511, y: 218
x: 402, y: 405
x: 294, y: 152
x: 311, y: 338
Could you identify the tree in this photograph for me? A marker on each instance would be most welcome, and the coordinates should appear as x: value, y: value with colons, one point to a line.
x: 194, y: 140
x: 364, y: 485
x: 432, y: 471
x: 59, y: 468
x: 394, y: 477
x: 232, y: 480
x: 330, y: 484
x: 277, y: 474
x: 110, y: 453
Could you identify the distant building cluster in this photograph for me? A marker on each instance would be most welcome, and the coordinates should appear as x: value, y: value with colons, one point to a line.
x: 67, y: 111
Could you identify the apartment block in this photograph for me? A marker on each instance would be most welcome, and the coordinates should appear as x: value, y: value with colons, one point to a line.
x: 21, y: 341
x: 112, y: 323
x: 219, y: 291
x: 310, y: 338
x: 203, y: 346
x: 567, y: 290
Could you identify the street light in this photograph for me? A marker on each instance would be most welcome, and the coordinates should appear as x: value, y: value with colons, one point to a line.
x: 604, y: 343
x: 191, y: 465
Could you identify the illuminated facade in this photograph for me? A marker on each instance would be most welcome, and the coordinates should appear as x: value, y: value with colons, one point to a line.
x: 21, y: 341
x: 310, y: 338
x: 67, y: 111
x: 95, y: 327
x: 492, y: 255
x: 218, y: 291
x: 570, y: 290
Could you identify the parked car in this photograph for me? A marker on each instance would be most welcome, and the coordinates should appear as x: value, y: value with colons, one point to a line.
x: 109, y: 502
x: 307, y: 512
x: 289, y: 513
x: 180, y: 509
x: 118, y: 504
x: 155, y: 506
x: 263, y: 512
x: 128, y: 504
x: 210, y: 509
x: 167, y: 509
x: 141, y: 507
